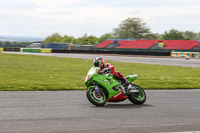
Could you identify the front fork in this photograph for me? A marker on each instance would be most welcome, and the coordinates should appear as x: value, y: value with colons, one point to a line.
x: 96, y: 89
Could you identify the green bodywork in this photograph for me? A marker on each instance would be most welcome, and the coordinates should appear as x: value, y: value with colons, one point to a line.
x: 131, y: 78
x: 107, y: 81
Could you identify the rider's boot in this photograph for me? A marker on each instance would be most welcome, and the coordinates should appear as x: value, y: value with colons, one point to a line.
x: 126, y: 85
x: 131, y: 88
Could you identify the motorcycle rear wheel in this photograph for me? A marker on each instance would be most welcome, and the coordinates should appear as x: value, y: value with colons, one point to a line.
x: 94, y: 98
x: 137, y: 98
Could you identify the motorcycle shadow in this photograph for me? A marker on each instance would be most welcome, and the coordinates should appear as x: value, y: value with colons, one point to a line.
x: 126, y: 106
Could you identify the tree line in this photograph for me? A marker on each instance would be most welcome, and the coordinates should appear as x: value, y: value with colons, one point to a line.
x: 13, y: 44
x: 131, y: 28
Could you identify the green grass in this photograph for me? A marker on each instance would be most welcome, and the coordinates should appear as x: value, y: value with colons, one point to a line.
x: 28, y: 72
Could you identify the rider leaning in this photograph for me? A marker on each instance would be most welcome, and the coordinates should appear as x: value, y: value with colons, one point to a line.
x: 99, y: 62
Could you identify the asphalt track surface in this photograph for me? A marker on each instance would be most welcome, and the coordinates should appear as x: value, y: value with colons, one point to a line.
x: 71, y: 112
x: 128, y: 58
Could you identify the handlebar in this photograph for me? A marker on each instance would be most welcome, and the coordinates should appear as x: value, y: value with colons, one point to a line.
x: 104, y: 71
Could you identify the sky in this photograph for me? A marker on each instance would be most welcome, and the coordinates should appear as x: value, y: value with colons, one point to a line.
x: 41, y: 18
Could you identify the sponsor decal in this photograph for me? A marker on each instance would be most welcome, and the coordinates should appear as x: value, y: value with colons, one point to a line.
x: 106, y: 82
x: 117, y: 94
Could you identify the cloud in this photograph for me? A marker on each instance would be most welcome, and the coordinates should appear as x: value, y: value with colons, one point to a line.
x: 77, y: 17
x: 164, y: 18
x: 17, y: 4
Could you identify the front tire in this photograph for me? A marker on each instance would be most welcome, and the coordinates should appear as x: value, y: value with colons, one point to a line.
x: 137, y: 98
x: 94, y: 98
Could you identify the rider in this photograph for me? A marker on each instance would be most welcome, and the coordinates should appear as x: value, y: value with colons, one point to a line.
x: 99, y: 62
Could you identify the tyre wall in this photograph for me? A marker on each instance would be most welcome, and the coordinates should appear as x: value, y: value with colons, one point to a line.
x: 186, y: 54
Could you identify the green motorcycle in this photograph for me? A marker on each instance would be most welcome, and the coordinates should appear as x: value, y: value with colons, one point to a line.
x: 105, y: 87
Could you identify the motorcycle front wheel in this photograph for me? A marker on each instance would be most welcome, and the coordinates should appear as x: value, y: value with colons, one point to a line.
x: 94, y: 98
x: 137, y: 98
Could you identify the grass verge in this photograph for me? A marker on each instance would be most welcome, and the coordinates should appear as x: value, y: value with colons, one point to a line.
x: 29, y: 72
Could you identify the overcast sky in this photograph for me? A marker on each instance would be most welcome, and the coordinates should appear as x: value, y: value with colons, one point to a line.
x: 94, y: 17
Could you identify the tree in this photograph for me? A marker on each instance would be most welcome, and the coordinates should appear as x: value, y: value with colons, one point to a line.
x: 173, y: 35
x: 54, y: 38
x: 151, y: 36
x: 198, y: 36
x: 192, y: 35
x: 56, y: 35
x: 105, y: 36
x: 131, y: 28
x: 87, y: 40
x: 68, y: 39
x: 189, y: 34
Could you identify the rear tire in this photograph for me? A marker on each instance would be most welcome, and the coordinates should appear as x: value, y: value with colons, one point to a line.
x: 139, y: 98
x: 97, y: 100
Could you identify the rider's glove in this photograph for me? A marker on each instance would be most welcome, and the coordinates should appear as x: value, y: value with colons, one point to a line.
x: 105, y: 70
x: 99, y: 72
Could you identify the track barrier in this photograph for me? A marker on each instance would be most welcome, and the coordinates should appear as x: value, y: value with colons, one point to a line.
x: 36, y: 50
x: 1, y: 49
x: 46, y: 50
x: 96, y: 51
x: 186, y: 54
